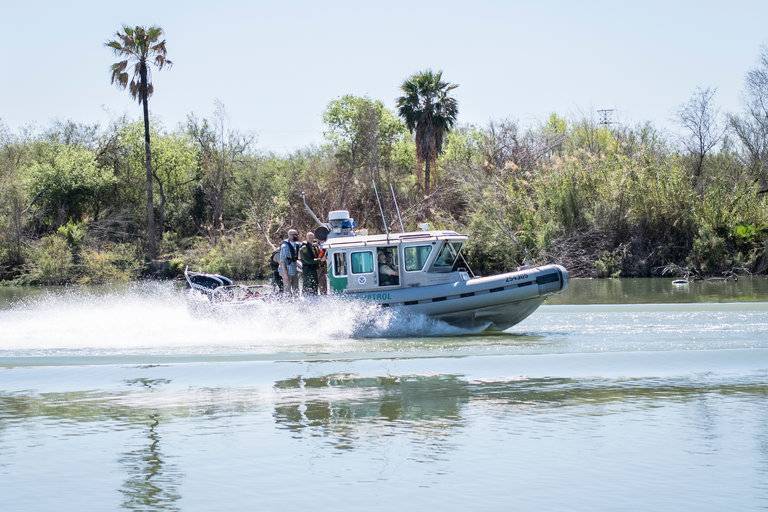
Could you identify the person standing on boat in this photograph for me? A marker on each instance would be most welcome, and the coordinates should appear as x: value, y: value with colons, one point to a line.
x: 322, y: 272
x: 310, y: 260
x: 274, y: 266
x: 288, y: 256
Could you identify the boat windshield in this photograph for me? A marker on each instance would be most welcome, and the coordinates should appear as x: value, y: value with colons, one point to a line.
x: 447, y: 257
x: 416, y: 257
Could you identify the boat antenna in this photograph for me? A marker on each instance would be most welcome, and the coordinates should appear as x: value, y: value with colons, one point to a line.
x: 397, y: 208
x: 311, y: 213
x: 381, y: 210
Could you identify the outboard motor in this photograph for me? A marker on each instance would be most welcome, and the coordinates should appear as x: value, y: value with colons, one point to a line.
x: 206, y: 283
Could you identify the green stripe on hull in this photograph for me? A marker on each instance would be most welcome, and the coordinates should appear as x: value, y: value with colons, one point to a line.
x: 338, y: 284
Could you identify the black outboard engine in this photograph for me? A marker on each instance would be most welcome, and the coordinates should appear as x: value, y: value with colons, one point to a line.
x: 206, y: 283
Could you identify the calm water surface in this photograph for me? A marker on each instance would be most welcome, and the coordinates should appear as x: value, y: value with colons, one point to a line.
x: 618, y: 395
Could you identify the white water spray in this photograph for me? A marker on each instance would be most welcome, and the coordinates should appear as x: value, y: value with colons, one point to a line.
x: 156, y: 316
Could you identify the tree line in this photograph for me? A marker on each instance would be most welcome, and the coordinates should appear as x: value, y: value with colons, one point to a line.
x: 87, y: 203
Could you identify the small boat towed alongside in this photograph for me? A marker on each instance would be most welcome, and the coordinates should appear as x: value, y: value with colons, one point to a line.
x: 420, y: 272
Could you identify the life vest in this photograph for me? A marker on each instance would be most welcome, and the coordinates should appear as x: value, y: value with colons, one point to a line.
x: 311, y: 250
x: 312, y: 253
x: 291, y: 252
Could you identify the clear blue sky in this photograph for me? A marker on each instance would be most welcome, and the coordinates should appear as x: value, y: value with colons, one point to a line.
x: 276, y: 65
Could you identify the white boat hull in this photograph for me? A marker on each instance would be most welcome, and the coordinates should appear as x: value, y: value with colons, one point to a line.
x: 496, y: 302
x: 493, y: 318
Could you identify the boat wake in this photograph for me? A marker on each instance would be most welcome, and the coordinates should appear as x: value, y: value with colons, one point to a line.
x: 156, y: 316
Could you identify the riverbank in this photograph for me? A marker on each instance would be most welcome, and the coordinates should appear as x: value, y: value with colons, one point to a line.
x: 604, y: 202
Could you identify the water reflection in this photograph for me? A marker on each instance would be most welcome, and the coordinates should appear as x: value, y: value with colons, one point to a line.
x: 341, y: 405
x: 426, y: 417
x: 147, y: 382
x: 761, y: 439
x: 302, y: 402
x: 118, y: 410
x: 152, y: 482
x: 660, y: 290
x: 705, y: 421
x: 344, y: 406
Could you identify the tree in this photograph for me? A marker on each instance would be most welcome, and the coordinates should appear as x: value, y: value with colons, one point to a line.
x: 220, y: 151
x: 13, y: 201
x: 174, y: 166
x: 140, y: 47
x: 751, y: 127
x: 66, y: 182
x: 429, y: 112
x: 704, y: 131
x: 362, y: 134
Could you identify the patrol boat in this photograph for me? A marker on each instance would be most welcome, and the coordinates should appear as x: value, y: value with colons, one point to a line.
x: 419, y: 272
x: 423, y: 272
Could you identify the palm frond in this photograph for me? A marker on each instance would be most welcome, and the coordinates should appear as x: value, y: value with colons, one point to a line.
x: 159, y: 48
x: 133, y: 89
x: 119, y: 76
x: 138, y: 46
x: 119, y: 67
x: 161, y: 62
x: 153, y: 33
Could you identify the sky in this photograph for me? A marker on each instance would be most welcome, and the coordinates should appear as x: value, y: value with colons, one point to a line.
x: 276, y: 65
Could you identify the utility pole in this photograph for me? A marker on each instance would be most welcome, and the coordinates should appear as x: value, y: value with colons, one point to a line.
x: 606, y: 116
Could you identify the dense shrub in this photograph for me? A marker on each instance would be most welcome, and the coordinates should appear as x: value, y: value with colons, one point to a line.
x: 114, y: 265
x: 238, y: 256
x: 49, y: 261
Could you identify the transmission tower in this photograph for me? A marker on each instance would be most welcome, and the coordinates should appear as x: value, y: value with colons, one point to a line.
x: 606, y: 116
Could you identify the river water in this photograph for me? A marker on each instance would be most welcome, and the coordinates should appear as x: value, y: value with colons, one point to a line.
x: 617, y: 395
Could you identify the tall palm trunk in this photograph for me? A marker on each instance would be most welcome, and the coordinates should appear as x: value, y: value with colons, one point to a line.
x: 419, y: 172
x: 427, y: 211
x: 151, y: 235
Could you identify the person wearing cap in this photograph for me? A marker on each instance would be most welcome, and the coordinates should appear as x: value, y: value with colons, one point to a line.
x: 287, y: 259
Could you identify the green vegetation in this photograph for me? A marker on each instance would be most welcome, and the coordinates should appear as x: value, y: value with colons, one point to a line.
x: 86, y: 203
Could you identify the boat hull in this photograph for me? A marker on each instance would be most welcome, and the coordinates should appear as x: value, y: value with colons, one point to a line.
x: 488, y: 303
x: 498, y: 317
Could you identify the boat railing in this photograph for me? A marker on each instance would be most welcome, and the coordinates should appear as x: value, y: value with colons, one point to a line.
x: 236, y: 293
x: 352, y: 242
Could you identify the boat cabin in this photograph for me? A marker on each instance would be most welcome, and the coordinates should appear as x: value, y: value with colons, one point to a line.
x: 400, y: 260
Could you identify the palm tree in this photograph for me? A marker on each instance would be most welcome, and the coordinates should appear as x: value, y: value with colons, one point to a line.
x: 140, y: 47
x: 429, y: 113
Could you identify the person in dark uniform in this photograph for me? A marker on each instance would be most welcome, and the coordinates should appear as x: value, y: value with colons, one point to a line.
x: 274, y: 265
x: 310, y: 260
